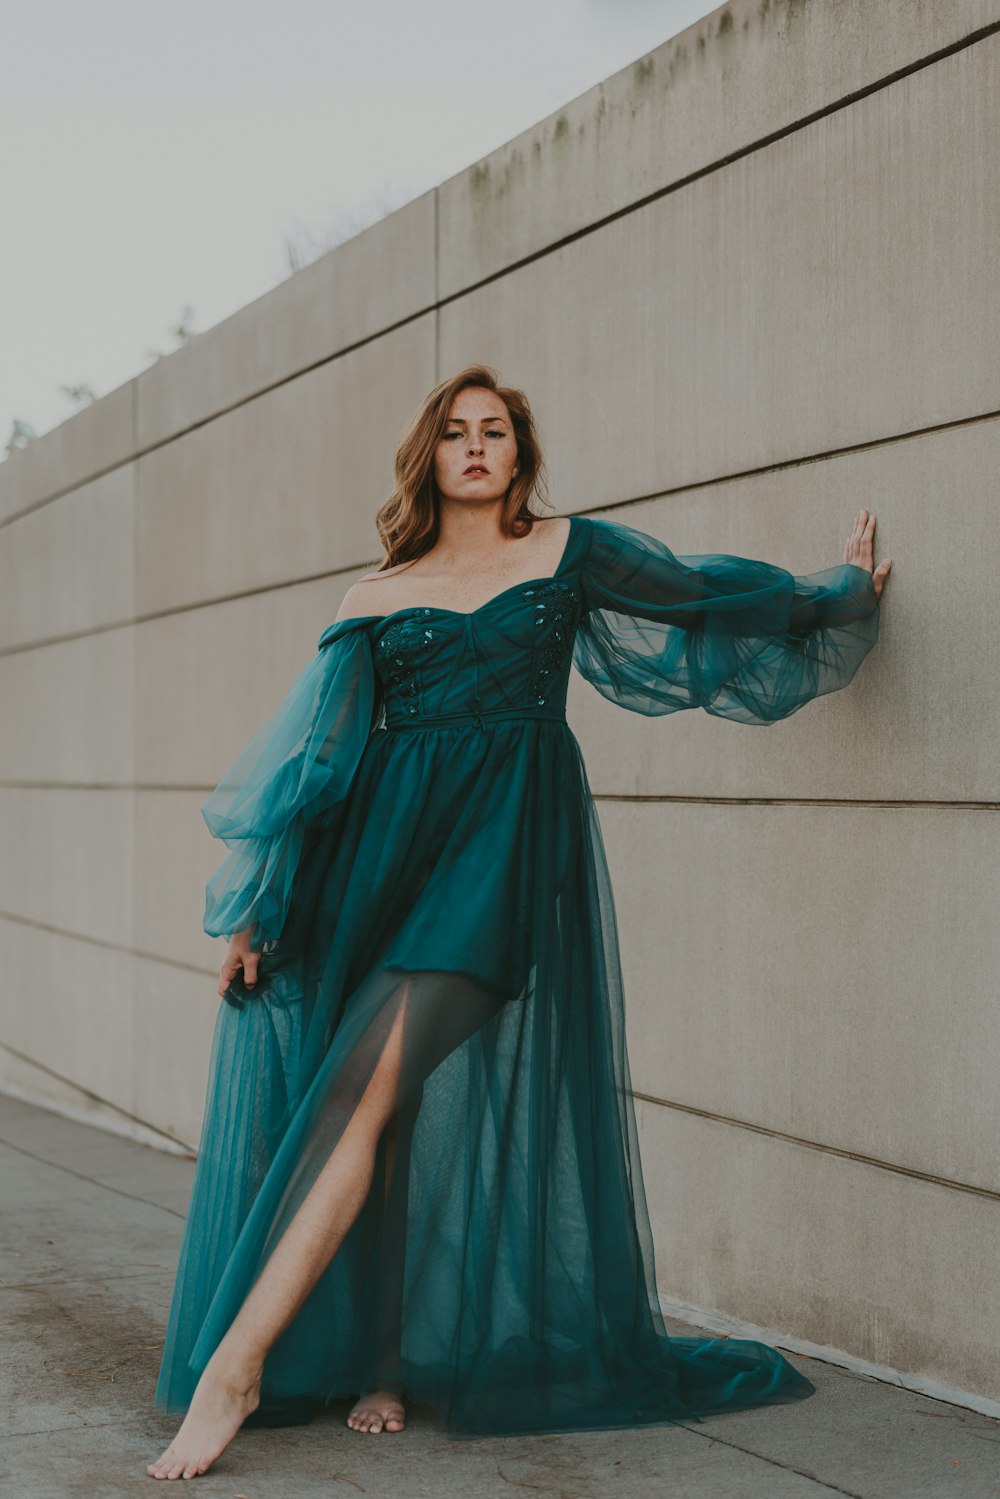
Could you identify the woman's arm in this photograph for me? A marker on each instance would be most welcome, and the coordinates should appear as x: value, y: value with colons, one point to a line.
x: 295, y: 773
x: 740, y: 638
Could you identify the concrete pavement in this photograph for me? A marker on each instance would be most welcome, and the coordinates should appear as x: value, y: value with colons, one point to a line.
x: 90, y: 1232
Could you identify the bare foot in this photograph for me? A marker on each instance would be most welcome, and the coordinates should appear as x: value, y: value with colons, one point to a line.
x: 380, y: 1408
x: 218, y: 1408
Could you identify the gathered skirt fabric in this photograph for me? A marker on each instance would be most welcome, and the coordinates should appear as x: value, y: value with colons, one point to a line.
x: 505, y: 1275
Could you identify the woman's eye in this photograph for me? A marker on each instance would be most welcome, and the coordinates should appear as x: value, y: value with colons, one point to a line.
x: 449, y: 435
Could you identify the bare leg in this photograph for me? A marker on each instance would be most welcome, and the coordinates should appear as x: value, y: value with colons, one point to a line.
x: 229, y: 1387
x: 383, y: 1407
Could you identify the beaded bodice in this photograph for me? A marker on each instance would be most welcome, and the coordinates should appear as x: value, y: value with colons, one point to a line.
x: 512, y: 654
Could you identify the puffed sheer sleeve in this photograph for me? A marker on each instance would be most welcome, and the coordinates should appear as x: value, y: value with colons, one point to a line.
x: 295, y: 773
x: 743, y: 639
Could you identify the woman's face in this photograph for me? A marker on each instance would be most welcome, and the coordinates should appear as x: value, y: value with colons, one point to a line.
x: 479, y: 436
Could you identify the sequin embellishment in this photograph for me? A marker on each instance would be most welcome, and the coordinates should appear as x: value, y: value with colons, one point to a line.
x: 397, y: 668
x: 555, y: 606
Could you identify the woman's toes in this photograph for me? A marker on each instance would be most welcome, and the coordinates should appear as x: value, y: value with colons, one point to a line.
x: 380, y: 1415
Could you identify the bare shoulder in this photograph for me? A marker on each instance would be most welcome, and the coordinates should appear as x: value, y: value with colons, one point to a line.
x: 369, y: 594
x: 359, y: 600
x: 556, y: 525
x: 553, y: 537
x: 350, y: 605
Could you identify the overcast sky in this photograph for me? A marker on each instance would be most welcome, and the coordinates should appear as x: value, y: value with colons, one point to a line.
x: 158, y: 155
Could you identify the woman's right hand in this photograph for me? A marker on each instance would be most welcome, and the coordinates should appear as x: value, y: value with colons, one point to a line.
x: 239, y: 955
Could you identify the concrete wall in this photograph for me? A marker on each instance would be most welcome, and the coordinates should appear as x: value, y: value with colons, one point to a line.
x: 749, y: 284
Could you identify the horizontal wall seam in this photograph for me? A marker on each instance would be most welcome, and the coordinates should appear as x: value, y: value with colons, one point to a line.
x: 824, y: 1149
x: 552, y: 248
x: 85, y: 1092
x: 122, y: 948
x: 219, y: 412
x: 613, y: 507
x: 750, y: 149
x: 818, y: 1145
x: 849, y: 803
x: 638, y: 797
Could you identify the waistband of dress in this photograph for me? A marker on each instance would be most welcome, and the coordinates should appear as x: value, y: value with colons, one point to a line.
x: 478, y: 717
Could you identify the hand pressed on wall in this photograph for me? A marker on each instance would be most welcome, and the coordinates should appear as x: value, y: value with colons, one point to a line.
x: 859, y: 550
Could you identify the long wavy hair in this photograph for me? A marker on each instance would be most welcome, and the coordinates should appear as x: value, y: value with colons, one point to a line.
x: 407, y: 522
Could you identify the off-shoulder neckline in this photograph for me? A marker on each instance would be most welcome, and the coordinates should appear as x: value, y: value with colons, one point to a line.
x: 575, y: 528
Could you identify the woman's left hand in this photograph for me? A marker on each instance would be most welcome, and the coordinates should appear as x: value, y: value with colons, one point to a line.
x: 860, y: 551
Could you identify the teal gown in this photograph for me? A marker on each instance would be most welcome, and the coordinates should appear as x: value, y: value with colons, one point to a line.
x: 414, y: 841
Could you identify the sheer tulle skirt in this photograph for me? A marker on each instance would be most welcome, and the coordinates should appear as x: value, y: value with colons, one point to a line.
x: 458, y: 918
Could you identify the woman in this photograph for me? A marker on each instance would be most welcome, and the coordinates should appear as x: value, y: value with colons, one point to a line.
x: 418, y: 1174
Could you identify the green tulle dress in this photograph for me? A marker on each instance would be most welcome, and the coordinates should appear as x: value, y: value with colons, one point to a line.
x: 412, y: 834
